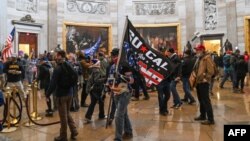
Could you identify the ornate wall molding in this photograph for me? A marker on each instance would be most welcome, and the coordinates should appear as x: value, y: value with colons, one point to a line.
x: 30, y: 6
x: 160, y: 7
x: 88, y: 7
x: 210, y: 10
x: 27, y: 18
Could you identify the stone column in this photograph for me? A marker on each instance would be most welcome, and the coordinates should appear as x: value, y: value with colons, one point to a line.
x: 190, y: 20
x: 231, y: 22
x: 199, y: 18
x: 3, y: 23
x: 122, y: 12
x: 52, y: 24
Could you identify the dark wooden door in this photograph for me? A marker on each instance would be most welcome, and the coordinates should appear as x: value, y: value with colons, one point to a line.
x: 29, y: 39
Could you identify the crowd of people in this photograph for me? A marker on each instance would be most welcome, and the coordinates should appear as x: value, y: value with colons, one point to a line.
x: 63, y: 75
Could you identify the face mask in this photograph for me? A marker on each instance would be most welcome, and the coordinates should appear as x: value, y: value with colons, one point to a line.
x: 115, y: 60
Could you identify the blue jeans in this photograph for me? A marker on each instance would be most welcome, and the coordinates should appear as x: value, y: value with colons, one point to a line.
x: 175, y: 94
x: 122, y: 121
x: 163, y: 95
x: 225, y: 77
x: 186, y: 88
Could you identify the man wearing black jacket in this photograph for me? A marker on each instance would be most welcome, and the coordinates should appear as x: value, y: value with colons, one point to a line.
x: 175, y: 77
x: 187, y: 68
x: 64, y: 97
x: 15, y: 74
x: 44, y: 78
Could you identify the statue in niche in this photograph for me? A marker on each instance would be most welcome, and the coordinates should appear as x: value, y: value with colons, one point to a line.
x: 228, y: 46
x: 189, y: 46
x: 27, y: 18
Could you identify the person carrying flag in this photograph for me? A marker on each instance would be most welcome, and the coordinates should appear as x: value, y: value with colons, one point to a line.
x: 122, y: 94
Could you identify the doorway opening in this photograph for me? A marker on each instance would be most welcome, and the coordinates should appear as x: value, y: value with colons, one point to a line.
x: 27, y: 43
x: 213, y: 42
x: 212, y: 45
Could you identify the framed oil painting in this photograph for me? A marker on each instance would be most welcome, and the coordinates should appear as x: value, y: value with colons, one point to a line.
x: 161, y: 36
x: 83, y: 36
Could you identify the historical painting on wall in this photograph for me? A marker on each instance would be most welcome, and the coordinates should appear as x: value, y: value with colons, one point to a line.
x: 86, y: 37
x: 161, y: 36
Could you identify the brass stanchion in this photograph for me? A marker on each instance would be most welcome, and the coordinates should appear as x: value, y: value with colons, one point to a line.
x: 34, y: 114
x: 14, y: 120
x: 29, y: 123
x: 9, y: 128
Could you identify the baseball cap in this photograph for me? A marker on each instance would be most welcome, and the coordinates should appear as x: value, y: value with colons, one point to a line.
x: 200, y: 47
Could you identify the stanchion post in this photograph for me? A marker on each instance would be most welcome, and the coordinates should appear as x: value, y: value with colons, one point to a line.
x: 9, y: 128
x: 33, y: 98
x: 35, y: 115
x: 29, y: 123
x: 14, y: 92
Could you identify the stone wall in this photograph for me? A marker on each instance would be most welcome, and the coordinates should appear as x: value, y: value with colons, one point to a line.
x: 192, y: 15
x: 16, y: 9
x: 242, y: 9
x: 153, y: 12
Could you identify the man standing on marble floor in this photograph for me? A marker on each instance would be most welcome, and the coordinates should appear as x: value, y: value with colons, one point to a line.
x: 204, y: 70
x: 122, y: 95
x: 64, y: 94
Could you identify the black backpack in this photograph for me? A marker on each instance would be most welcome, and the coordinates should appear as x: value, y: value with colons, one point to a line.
x: 69, y: 77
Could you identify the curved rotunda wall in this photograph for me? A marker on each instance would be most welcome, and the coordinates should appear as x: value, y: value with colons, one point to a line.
x: 204, y: 16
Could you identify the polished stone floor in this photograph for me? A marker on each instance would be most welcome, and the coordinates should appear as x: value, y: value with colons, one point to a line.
x: 147, y: 124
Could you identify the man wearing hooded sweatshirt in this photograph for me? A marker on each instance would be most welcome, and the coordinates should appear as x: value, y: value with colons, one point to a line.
x: 94, y: 88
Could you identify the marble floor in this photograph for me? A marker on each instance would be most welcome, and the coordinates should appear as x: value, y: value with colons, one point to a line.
x: 147, y: 124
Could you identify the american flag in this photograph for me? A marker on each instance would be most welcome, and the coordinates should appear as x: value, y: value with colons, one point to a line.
x: 7, y: 50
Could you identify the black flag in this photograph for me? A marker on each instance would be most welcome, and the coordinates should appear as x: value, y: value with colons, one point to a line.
x: 136, y: 53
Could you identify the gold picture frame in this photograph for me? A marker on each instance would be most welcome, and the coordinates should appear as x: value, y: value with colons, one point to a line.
x: 92, y: 30
x: 163, y: 28
x: 247, y: 32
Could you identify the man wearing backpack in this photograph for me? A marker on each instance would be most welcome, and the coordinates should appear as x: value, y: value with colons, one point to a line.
x: 227, y: 69
x: 63, y: 79
x: 94, y: 88
x: 44, y: 78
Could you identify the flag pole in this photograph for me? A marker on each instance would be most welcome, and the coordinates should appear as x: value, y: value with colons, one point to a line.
x: 120, y: 48
x: 116, y: 72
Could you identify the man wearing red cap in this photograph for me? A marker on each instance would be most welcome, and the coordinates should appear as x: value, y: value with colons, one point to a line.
x: 204, y: 71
